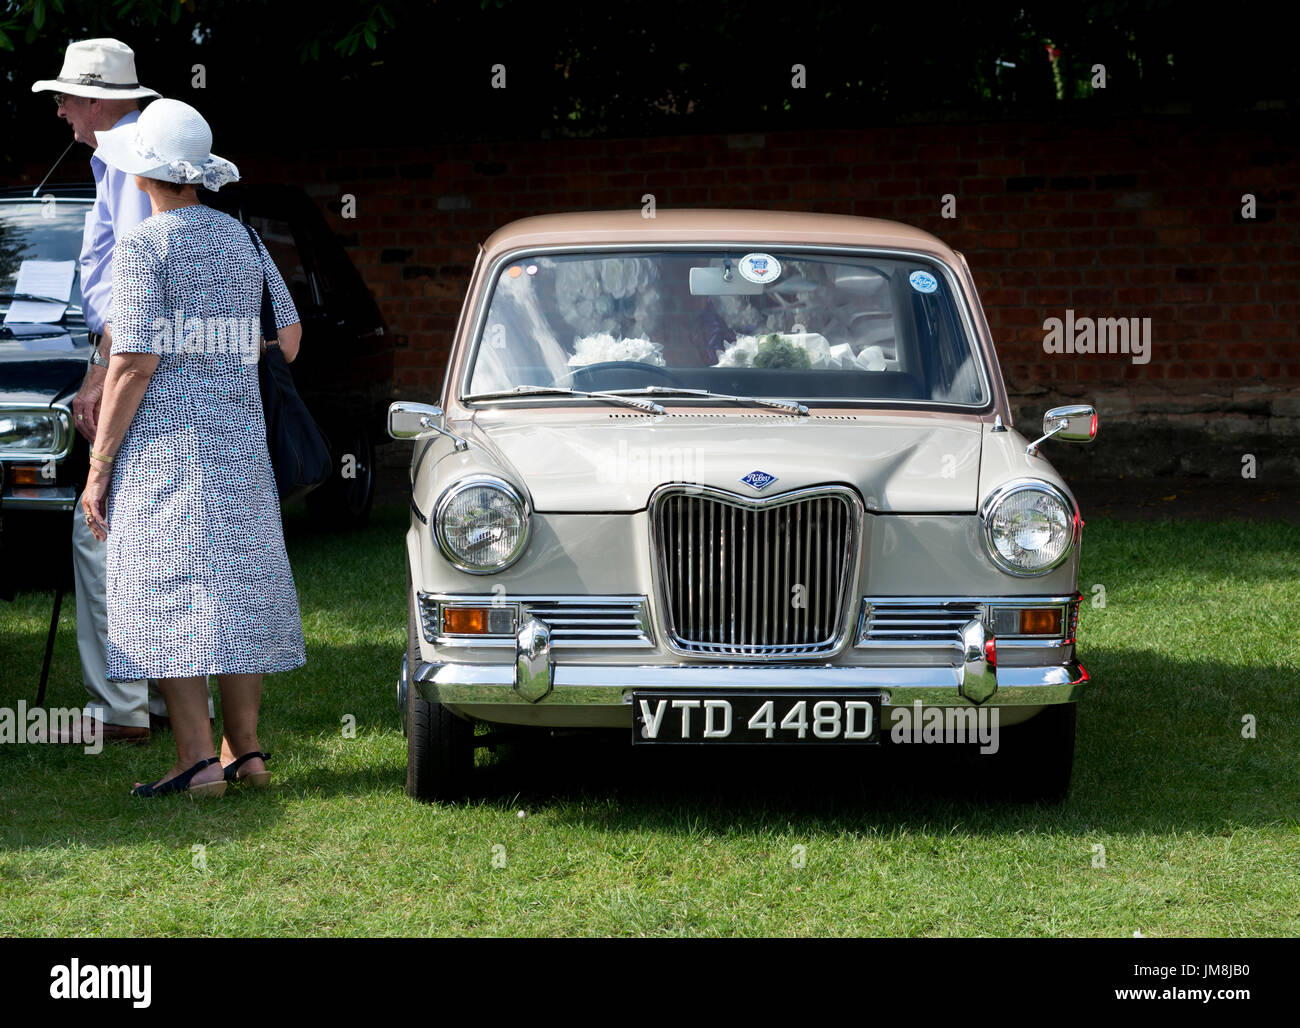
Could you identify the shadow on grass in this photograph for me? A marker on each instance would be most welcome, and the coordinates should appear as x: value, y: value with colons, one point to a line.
x: 85, y: 801
x: 1160, y: 748
x: 85, y: 798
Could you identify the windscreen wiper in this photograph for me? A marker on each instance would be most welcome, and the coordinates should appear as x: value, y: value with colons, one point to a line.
x: 786, y: 405
x: 6, y: 295
x: 528, y: 390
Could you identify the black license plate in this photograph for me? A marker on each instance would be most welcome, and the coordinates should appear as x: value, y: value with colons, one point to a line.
x: 767, y: 719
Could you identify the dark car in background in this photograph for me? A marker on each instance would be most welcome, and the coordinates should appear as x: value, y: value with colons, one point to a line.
x: 345, y: 369
x: 343, y: 372
x: 42, y: 457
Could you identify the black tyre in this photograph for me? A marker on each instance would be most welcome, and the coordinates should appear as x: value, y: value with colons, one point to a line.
x: 343, y: 500
x: 439, y: 745
x: 1035, y: 759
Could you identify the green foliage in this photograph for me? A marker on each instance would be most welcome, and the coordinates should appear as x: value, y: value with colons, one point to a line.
x: 990, y: 53
x: 367, y: 31
x: 775, y: 352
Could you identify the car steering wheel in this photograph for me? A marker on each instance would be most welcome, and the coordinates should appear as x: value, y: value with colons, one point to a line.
x: 653, y: 369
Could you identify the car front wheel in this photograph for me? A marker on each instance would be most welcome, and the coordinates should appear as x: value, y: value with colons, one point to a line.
x: 439, y: 745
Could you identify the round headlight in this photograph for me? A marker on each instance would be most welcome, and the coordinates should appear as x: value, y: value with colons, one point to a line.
x: 481, y: 524
x: 1029, y: 526
x: 38, y: 433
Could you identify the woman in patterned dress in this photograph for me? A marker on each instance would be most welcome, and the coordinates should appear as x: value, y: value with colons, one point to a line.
x: 181, y: 484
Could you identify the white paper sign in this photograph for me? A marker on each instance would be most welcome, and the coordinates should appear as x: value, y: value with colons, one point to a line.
x: 51, y: 280
x: 32, y: 312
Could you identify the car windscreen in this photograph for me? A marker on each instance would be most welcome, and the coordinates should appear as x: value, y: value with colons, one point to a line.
x: 42, y: 230
x: 801, y: 326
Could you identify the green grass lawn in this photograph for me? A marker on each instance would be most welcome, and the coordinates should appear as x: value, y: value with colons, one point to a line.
x: 1199, y: 826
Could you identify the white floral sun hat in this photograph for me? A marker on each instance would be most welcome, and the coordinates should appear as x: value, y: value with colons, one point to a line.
x: 170, y: 141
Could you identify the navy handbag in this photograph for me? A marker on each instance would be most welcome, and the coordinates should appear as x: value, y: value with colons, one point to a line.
x: 300, y: 453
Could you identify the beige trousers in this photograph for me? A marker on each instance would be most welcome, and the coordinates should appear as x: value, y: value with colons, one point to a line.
x: 116, y: 702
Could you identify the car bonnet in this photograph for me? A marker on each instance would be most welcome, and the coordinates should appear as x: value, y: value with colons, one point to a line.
x: 588, y: 460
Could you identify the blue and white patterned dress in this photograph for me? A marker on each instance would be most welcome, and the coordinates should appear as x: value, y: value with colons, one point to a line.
x: 198, y: 579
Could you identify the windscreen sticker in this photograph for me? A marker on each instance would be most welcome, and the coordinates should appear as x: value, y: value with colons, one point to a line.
x: 760, y: 267
x: 923, y: 281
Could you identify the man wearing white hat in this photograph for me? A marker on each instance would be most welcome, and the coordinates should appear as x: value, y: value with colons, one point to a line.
x: 97, y: 90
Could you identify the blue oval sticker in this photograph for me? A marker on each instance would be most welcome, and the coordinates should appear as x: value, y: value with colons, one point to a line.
x: 923, y: 281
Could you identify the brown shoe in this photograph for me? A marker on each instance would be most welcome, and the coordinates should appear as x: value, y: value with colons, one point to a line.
x: 136, y: 735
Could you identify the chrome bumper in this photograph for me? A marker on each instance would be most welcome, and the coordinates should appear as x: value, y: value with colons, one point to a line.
x: 534, y: 678
x: 48, y: 497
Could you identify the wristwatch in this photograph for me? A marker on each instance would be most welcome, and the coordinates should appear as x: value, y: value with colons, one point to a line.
x: 96, y: 358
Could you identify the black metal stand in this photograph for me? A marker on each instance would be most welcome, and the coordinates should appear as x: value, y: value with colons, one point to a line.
x: 49, y: 647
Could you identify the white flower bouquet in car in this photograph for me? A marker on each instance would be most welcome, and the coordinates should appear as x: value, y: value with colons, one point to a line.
x: 603, y: 347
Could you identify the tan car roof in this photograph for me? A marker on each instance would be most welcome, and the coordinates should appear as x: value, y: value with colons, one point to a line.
x: 706, y: 226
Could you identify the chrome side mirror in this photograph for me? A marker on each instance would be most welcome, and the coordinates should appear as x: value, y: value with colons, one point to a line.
x: 418, y: 421
x: 1074, y: 424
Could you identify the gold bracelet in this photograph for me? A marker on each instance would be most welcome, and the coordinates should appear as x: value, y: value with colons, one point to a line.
x: 102, y: 458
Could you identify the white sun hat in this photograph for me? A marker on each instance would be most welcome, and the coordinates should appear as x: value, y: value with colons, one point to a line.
x: 170, y: 141
x: 102, y: 69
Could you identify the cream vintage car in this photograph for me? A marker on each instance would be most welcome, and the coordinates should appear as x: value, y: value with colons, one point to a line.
x: 734, y: 477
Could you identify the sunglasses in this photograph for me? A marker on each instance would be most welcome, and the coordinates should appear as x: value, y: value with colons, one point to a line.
x: 61, y: 99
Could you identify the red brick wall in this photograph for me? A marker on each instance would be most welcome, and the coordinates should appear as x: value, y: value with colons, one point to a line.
x: 1132, y: 219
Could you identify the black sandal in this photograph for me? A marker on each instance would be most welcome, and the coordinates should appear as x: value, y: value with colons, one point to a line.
x: 181, y: 783
x: 258, y: 779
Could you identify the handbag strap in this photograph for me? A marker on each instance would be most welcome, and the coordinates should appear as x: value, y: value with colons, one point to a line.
x: 270, y: 332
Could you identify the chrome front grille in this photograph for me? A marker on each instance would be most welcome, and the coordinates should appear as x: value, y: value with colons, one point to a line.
x: 755, y: 578
x: 921, y: 622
